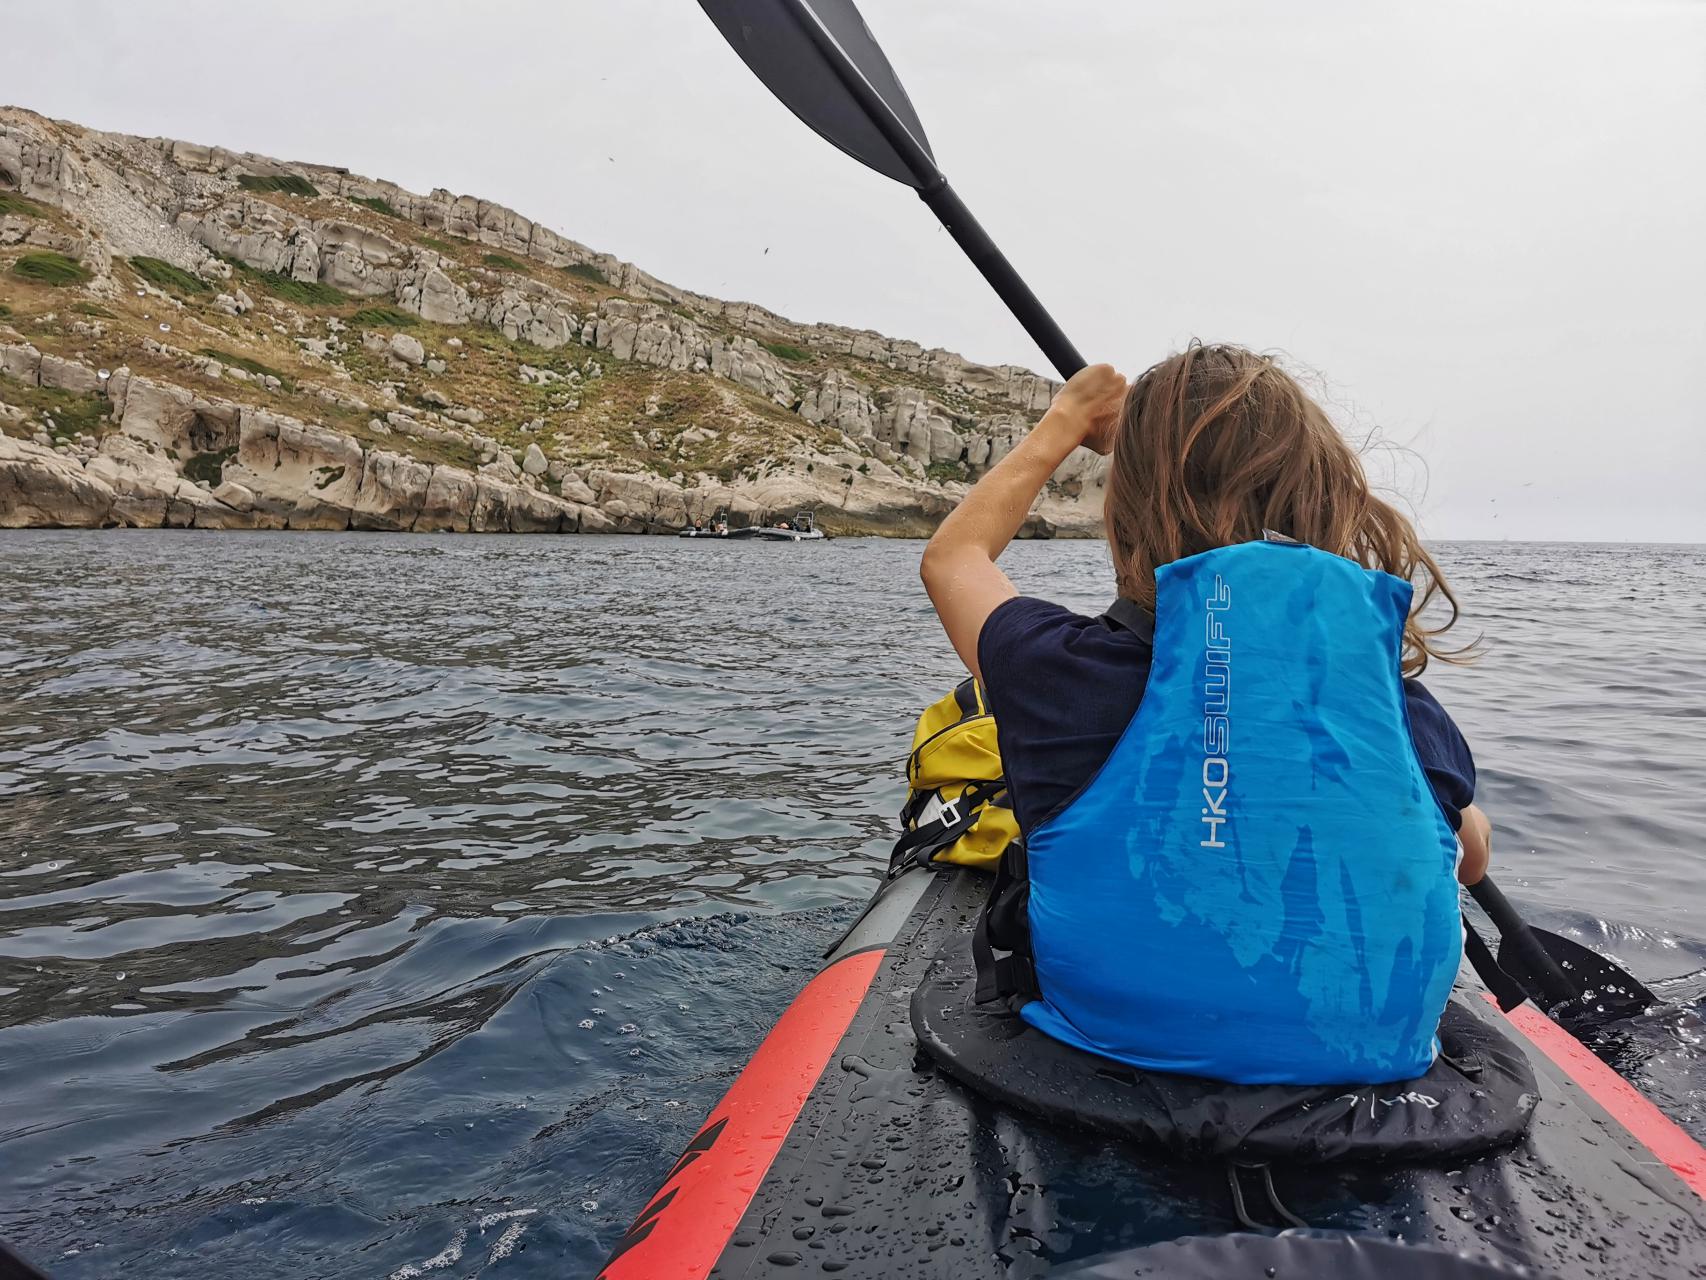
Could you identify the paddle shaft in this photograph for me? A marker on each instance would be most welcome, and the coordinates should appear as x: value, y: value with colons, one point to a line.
x: 949, y: 209
x: 1516, y: 934
x: 953, y: 214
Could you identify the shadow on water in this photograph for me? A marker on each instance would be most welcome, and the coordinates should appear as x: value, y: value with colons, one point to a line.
x: 397, y: 906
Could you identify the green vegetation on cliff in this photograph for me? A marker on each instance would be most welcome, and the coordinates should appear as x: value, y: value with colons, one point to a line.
x: 71, y: 411
x: 247, y: 364
x: 384, y: 318
x: 50, y: 269
x: 784, y: 351
x: 378, y: 204
x: 163, y: 275
x: 209, y: 468
x: 13, y: 203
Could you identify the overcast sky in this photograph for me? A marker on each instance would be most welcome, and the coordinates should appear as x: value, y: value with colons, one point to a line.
x: 1482, y: 224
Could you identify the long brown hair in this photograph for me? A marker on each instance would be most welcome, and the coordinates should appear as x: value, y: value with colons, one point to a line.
x: 1217, y: 444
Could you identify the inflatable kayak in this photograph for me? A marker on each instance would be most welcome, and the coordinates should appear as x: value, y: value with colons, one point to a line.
x: 844, y: 1149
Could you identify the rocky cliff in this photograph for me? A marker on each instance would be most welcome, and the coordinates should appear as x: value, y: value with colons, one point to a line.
x: 192, y: 337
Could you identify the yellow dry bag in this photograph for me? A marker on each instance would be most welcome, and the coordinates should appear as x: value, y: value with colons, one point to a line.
x: 957, y: 809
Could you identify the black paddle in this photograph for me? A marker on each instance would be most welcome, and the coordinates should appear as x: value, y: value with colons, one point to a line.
x: 1566, y: 979
x: 820, y: 59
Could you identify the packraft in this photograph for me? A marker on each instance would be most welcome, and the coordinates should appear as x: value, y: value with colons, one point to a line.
x: 843, y: 1149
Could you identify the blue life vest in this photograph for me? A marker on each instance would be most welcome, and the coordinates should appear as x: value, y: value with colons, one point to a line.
x: 1259, y: 885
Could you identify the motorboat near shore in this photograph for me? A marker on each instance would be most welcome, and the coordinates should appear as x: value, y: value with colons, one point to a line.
x: 802, y: 528
x: 854, y: 1144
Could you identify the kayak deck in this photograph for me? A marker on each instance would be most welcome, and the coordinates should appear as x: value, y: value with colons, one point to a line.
x: 891, y: 1169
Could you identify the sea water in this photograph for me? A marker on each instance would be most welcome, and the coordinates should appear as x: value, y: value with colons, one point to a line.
x: 397, y: 906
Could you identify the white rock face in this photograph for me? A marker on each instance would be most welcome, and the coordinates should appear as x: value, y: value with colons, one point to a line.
x: 68, y: 375
x: 434, y: 296
x: 40, y: 488
x: 872, y: 412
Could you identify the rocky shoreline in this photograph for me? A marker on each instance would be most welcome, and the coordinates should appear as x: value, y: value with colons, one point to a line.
x: 197, y: 338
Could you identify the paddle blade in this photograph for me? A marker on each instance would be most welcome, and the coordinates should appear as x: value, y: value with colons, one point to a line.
x: 1609, y: 991
x: 795, y: 46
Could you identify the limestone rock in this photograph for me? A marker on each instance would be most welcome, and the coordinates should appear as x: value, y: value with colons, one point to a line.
x: 435, y: 297
x: 309, y: 474
x: 234, y: 495
x: 576, y: 491
x: 508, y: 508
x: 40, y: 489
x: 172, y: 418
x: 407, y: 348
x: 534, y: 463
x: 148, y: 491
x: 449, y: 503
x: 841, y: 401
x: 392, y: 493
x: 22, y: 362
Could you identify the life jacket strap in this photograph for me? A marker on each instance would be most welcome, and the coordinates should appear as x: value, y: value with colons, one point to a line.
x: 1130, y: 616
x: 1004, y: 923
x: 918, y: 845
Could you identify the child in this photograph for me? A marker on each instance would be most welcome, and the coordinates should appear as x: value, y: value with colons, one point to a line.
x: 1238, y: 813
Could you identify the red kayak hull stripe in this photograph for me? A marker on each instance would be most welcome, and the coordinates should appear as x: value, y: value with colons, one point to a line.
x: 1646, y: 1123
x: 682, y: 1232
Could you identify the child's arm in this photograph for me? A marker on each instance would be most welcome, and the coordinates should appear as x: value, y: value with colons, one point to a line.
x: 1476, y: 833
x: 959, y: 564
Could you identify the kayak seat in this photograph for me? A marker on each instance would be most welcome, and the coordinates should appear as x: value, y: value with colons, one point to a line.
x: 1479, y: 1094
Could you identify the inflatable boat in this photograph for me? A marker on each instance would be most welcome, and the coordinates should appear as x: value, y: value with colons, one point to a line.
x: 856, y: 1144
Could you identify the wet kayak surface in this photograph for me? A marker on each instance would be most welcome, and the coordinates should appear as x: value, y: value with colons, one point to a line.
x: 399, y: 905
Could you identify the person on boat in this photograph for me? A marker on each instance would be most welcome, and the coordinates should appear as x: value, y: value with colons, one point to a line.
x: 1241, y: 812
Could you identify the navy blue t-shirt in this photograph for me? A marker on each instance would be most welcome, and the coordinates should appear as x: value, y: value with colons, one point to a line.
x: 1063, y: 687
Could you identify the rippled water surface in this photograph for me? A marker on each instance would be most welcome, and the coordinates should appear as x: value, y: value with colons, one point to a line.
x: 396, y: 906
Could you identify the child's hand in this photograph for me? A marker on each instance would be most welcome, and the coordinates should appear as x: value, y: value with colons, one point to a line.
x: 1476, y: 834
x: 1091, y: 402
